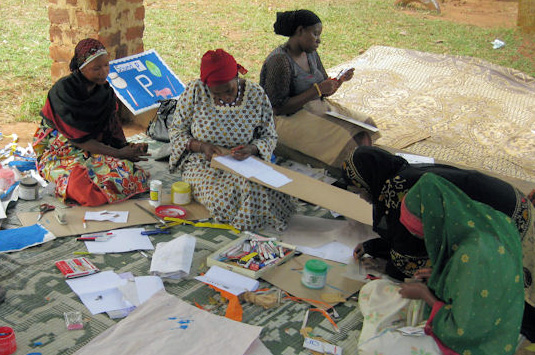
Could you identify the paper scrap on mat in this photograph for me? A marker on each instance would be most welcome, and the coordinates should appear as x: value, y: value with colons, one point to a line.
x: 101, y: 292
x: 334, y: 251
x: 124, y: 240
x: 112, y: 216
x: 321, y: 347
x: 24, y: 237
x: 139, y: 289
x: 228, y: 281
x: 251, y: 167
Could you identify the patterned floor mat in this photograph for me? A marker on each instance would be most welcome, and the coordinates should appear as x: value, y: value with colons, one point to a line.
x: 477, y: 114
x: 37, y: 295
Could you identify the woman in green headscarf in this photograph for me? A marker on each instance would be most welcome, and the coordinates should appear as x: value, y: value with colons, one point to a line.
x: 475, y: 291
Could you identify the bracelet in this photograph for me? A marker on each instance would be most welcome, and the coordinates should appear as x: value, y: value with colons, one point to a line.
x: 188, y: 144
x: 318, y: 89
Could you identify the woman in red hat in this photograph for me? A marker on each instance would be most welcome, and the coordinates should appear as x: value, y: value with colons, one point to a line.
x: 221, y: 113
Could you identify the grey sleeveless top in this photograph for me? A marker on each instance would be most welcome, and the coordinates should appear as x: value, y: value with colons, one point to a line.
x: 282, y: 78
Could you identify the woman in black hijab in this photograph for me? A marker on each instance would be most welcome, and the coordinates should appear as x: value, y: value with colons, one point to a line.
x: 80, y: 144
x: 384, y: 179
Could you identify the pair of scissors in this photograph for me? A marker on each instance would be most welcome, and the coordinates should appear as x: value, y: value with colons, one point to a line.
x: 44, y: 208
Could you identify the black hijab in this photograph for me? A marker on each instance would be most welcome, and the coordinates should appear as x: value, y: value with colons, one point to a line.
x: 369, y: 167
x: 387, y: 177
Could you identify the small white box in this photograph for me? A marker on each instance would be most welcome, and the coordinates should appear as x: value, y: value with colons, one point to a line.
x: 214, y: 259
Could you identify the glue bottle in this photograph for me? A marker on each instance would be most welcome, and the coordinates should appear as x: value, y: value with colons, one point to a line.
x: 155, y: 193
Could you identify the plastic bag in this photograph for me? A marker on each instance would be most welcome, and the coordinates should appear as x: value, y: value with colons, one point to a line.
x: 159, y: 126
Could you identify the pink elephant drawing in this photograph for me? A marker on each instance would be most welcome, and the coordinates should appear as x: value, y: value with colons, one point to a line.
x: 163, y: 93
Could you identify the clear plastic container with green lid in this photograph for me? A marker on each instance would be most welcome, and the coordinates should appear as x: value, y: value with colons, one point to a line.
x: 314, y: 274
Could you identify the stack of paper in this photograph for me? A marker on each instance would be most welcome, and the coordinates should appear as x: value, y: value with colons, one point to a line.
x: 228, y: 281
x: 173, y: 259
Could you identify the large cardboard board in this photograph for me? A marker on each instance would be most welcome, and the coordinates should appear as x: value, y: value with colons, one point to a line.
x: 287, y: 277
x: 75, y: 215
x: 308, y: 189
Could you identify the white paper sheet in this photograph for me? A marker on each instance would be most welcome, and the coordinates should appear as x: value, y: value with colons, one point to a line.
x: 124, y: 240
x: 251, y: 167
x: 310, y: 231
x: 352, y: 120
x: 272, y: 177
x: 112, y: 216
x: 148, y: 286
x: 334, y: 251
x: 173, y: 259
x: 99, y: 292
x: 416, y: 159
x: 228, y: 280
x: 245, y: 167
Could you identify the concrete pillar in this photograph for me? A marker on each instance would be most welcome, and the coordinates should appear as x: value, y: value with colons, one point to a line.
x: 118, y: 24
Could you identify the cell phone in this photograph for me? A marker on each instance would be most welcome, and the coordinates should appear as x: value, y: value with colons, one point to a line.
x: 342, y: 73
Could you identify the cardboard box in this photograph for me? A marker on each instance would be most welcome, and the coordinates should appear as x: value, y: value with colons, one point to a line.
x: 235, y: 267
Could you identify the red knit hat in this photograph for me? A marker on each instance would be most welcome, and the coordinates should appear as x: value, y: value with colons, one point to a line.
x: 218, y: 67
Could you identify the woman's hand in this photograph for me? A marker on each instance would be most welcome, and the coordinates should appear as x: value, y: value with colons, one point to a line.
x: 348, y: 75
x: 242, y: 152
x: 329, y: 86
x: 141, y: 148
x: 134, y: 152
x: 423, y: 274
x: 359, y: 251
x: 209, y: 150
x: 417, y: 291
x: 413, y: 290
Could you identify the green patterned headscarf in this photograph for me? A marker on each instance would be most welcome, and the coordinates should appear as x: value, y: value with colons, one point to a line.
x: 477, y: 267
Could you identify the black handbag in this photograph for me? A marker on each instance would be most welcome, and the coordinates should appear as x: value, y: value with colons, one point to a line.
x: 158, y: 128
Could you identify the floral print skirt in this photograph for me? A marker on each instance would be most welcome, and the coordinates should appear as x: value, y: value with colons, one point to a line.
x: 117, y: 179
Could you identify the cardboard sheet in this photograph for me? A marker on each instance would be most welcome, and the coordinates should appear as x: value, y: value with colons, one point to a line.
x: 319, y: 193
x: 287, y: 277
x: 75, y: 216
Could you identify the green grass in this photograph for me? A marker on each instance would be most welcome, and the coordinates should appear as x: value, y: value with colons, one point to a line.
x: 181, y: 31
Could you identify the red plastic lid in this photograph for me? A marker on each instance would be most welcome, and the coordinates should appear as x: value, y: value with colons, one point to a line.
x: 170, y: 211
x: 8, y: 344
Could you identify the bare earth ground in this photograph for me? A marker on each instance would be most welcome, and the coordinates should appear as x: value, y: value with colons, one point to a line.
x: 482, y: 13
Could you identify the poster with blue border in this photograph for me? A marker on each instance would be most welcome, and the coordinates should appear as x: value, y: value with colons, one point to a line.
x: 142, y: 79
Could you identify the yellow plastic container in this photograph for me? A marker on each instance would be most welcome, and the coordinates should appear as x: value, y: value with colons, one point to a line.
x: 180, y: 193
